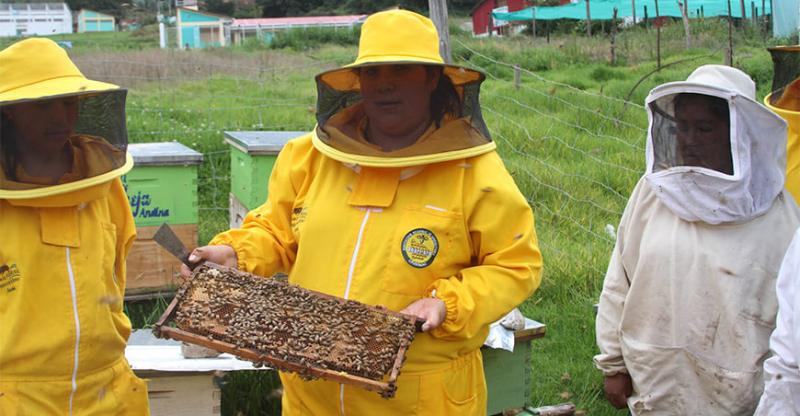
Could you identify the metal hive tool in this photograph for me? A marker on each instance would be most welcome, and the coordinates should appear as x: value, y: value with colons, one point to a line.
x: 269, y: 321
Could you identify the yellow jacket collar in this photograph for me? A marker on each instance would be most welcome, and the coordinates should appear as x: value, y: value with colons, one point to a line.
x: 67, y: 199
x: 66, y: 194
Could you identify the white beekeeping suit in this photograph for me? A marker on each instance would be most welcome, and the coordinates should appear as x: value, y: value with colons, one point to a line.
x: 781, y: 373
x: 688, y: 301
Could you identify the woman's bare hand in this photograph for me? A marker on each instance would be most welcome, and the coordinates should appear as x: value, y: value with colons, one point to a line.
x: 221, y: 254
x: 618, y: 388
x: 432, y: 310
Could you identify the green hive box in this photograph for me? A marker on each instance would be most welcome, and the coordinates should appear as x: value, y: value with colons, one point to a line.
x: 162, y: 188
x: 253, y: 155
x: 508, y: 374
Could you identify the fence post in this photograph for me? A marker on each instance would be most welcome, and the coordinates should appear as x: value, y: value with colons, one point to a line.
x: 744, y: 12
x: 658, y: 37
x: 533, y: 22
x: 771, y: 16
x: 685, y: 17
x: 729, y: 55
x: 438, y: 11
x: 633, y: 10
x: 588, y: 20
x: 490, y: 24
x: 614, y: 37
x: 517, y: 76
x: 645, y: 17
x: 547, y: 29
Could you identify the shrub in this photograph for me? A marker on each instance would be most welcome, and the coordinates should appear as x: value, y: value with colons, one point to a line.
x: 312, y: 38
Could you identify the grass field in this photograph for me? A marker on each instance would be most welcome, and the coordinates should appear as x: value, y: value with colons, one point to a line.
x: 574, y: 147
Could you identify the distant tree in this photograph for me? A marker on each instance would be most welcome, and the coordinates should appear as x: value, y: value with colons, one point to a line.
x: 464, y: 6
x: 247, y: 10
x: 226, y: 8
x: 112, y: 7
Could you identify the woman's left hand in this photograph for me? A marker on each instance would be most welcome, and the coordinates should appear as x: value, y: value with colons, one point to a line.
x: 432, y: 310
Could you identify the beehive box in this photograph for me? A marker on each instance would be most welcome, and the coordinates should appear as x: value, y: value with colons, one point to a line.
x: 176, y: 385
x: 162, y: 188
x: 508, y: 373
x: 253, y: 154
x: 269, y: 321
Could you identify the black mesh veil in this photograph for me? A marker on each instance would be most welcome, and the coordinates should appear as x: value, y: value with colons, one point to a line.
x: 786, y: 63
x: 663, y: 131
x: 330, y: 101
x: 103, y: 116
x: 681, y: 137
x: 61, y: 139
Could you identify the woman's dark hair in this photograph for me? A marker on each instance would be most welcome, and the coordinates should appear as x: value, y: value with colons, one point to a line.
x: 718, y: 106
x: 444, y: 99
x: 8, y: 147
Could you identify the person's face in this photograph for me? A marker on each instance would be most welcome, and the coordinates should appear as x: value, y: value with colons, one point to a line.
x: 703, y: 136
x: 397, y: 97
x: 44, y: 126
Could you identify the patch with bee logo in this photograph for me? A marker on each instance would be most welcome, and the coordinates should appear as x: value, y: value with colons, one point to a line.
x: 419, y: 247
x: 299, y: 215
x: 9, y: 277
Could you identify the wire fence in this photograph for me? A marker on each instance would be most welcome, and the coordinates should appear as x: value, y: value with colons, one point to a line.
x: 575, y: 154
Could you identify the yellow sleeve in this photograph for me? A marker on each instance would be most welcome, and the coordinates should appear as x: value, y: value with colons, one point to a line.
x: 121, y: 217
x: 265, y: 244
x: 508, y: 263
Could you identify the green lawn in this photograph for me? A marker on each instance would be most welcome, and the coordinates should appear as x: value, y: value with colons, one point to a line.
x: 575, y: 149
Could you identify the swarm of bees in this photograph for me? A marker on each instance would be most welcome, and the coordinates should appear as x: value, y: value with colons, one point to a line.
x: 286, y: 323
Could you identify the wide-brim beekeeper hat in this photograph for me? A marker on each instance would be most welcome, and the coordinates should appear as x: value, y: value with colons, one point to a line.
x: 400, y: 37
x: 39, y: 70
x: 397, y: 37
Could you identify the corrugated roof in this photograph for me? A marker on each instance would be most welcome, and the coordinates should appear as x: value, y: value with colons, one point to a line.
x: 301, y: 21
x: 33, y: 6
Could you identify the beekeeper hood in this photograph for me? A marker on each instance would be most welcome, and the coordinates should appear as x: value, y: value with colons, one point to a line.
x: 390, y: 38
x: 722, y: 161
x: 49, y: 114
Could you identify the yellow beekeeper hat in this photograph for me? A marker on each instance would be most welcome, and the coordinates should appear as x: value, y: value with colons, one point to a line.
x: 397, y: 37
x: 38, y: 68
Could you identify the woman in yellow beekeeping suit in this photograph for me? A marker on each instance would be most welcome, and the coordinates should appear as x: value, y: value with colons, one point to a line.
x: 399, y: 199
x: 785, y: 101
x: 66, y: 229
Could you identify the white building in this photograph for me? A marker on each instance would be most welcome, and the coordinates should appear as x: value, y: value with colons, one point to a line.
x: 26, y: 19
x: 265, y: 28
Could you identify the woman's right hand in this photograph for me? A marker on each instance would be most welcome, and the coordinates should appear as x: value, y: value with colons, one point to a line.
x: 618, y: 388
x: 221, y: 254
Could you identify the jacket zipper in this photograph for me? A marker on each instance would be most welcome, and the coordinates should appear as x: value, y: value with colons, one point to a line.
x: 74, y: 294
x: 350, y: 281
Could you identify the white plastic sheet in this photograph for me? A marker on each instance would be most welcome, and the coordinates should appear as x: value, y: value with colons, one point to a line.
x: 145, y: 352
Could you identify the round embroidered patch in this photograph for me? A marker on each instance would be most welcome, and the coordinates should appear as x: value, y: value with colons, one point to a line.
x: 419, y: 247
